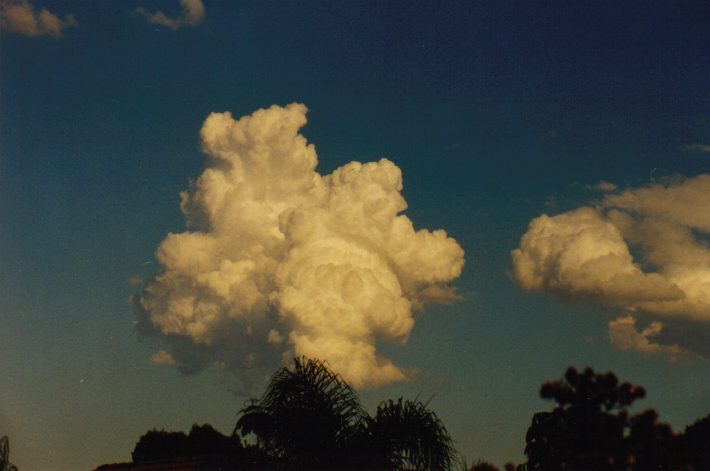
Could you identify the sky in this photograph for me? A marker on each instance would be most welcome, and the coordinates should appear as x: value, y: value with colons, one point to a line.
x: 180, y: 212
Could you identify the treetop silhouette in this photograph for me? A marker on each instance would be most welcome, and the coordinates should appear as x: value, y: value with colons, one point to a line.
x: 590, y: 428
x: 202, y: 441
x: 591, y: 392
x: 309, y: 418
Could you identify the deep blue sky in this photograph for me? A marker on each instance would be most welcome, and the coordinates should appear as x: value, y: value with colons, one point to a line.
x: 495, y: 111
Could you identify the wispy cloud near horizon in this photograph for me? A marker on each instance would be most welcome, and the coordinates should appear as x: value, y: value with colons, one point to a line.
x: 20, y: 17
x: 193, y: 12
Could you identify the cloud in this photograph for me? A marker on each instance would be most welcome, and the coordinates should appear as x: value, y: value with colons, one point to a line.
x: 162, y: 358
x: 20, y: 17
x: 585, y: 255
x: 679, y: 204
x: 193, y: 12
x: 624, y: 335
x: 700, y: 148
x: 603, y: 186
x: 282, y: 261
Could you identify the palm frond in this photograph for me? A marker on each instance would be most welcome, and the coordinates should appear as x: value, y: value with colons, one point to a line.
x: 308, y: 416
x: 412, y: 436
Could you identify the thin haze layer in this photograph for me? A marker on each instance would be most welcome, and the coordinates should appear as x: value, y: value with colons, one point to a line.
x: 284, y: 261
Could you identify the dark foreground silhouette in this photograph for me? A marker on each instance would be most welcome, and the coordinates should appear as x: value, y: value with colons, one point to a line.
x: 310, y: 419
x: 590, y: 429
x: 5, y: 464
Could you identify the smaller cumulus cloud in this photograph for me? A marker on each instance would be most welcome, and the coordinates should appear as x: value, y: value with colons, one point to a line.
x: 644, y: 252
x: 624, y: 336
x: 193, y: 12
x: 20, y: 17
x: 698, y: 148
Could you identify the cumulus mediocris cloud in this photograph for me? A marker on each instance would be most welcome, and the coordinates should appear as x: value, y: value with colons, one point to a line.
x: 193, y: 12
x: 586, y: 255
x: 20, y: 17
x: 282, y: 261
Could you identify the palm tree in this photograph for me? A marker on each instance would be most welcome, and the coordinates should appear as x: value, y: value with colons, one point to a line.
x: 407, y: 435
x: 306, y: 417
x: 310, y: 418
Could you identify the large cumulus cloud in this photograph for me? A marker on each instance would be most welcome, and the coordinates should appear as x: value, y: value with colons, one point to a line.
x: 643, y: 251
x: 283, y: 261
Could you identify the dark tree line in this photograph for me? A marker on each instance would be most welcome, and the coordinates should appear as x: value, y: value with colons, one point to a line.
x: 590, y: 428
x: 202, y: 441
x: 310, y: 419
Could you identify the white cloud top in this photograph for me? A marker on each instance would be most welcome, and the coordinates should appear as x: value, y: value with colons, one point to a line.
x: 586, y: 255
x: 193, y: 12
x: 284, y: 261
x: 20, y: 17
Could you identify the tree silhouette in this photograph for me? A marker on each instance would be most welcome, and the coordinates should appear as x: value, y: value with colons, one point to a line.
x: 484, y: 466
x: 310, y: 418
x: 307, y: 417
x: 160, y: 445
x: 407, y: 435
x: 697, y: 438
x: 590, y: 428
x: 203, y: 441
x: 581, y: 433
x: 5, y: 464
